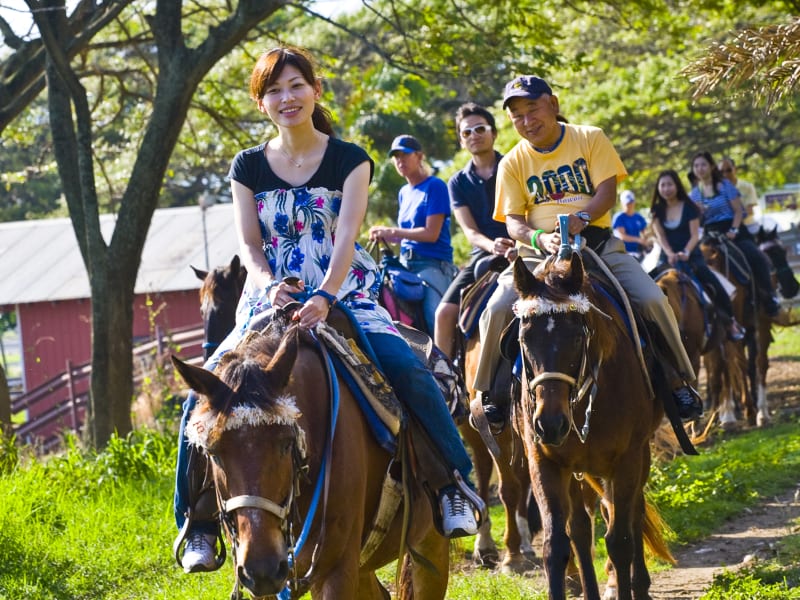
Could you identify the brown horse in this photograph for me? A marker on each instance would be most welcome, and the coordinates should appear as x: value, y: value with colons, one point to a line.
x: 521, y: 514
x: 753, y: 405
x: 770, y: 244
x: 704, y: 335
x: 299, y: 476
x: 586, y: 412
x: 219, y: 296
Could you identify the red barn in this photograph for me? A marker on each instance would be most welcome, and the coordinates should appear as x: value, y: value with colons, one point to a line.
x: 43, y: 280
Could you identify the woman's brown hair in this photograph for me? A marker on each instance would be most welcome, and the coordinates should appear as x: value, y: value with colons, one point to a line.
x: 270, y: 65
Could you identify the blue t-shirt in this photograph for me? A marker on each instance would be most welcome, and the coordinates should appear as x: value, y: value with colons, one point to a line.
x: 417, y: 203
x: 634, y: 225
x: 717, y: 208
x: 469, y: 189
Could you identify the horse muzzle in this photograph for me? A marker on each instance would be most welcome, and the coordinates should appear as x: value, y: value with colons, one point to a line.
x: 265, y: 576
x: 552, y: 429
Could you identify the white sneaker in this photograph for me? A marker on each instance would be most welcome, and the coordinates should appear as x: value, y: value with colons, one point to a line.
x: 458, y: 519
x: 198, y: 555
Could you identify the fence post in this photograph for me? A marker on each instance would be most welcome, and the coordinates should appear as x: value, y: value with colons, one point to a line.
x: 160, y: 341
x: 73, y: 410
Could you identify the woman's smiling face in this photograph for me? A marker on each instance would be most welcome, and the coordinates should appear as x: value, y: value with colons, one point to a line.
x: 289, y: 99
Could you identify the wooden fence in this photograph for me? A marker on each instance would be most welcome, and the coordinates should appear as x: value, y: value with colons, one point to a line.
x: 60, y: 404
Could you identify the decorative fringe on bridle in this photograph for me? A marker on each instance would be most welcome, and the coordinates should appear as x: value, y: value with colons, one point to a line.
x: 201, y: 424
x: 543, y: 306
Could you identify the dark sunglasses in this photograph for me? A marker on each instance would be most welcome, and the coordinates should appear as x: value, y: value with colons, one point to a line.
x: 479, y: 129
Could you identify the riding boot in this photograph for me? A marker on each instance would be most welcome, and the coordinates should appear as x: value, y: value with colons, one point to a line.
x: 496, y: 411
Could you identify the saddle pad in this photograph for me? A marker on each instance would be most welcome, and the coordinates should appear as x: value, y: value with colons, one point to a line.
x: 364, y: 380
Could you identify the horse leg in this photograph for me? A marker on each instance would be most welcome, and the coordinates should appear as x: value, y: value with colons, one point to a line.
x: 624, y: 524
x: 428, y: 577
x: 581, y: 533
x: 485, y: 551
x: 514, y: 498
x: 550, y: 485
x: 369, y: 588
x: 761, y: 366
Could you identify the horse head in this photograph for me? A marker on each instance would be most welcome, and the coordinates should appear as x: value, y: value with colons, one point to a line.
x: 556, y: 328
x: 248, y: 424
x: 770, y: 244
x: 219, y: 296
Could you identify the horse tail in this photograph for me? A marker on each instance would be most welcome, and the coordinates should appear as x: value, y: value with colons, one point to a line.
x: 653, y: 526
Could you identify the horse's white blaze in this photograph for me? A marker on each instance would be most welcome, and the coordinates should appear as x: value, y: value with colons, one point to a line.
x: 283, y: 412
x: 541, y: 306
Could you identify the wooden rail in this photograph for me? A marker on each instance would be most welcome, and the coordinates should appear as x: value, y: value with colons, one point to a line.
x: 60, y: 404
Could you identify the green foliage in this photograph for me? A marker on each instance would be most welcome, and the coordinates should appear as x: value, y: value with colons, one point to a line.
x: 9, y: 453
x: 697, y: 493
x: 761, y: 583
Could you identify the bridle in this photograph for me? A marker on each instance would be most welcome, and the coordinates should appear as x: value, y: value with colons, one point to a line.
x: 586, y: 379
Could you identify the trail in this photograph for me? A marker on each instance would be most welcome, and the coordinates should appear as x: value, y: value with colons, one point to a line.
x: 747, y: 538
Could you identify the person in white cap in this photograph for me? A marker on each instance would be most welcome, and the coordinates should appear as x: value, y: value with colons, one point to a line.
x: 629, y: 226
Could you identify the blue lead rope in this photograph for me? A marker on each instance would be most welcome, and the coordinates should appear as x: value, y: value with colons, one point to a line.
x: 286, y: 593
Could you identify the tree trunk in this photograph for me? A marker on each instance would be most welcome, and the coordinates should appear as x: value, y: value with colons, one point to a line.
x: 5, y: 403
x: 112, y: 363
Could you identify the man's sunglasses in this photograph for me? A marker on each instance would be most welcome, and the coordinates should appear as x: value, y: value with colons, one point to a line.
x: 479, y: 129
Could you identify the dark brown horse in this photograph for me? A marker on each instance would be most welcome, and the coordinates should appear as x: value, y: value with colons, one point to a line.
x: 219, y: 296
x: 720, y: 254
x: 704, y: 335
x: 586, y: 412
x: 299, y: 476
x: 770, y: 244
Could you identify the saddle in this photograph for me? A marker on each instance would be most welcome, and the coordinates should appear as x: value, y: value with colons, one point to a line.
x: 475, y: 297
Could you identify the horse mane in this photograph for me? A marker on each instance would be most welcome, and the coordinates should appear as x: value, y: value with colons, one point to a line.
x: 559, y: 292
x: 253, y: 398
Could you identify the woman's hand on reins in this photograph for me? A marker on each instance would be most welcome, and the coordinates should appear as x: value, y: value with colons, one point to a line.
x: 314, y: 311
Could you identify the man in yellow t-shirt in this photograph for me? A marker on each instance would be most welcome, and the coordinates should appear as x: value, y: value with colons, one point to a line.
x: 561, y: 168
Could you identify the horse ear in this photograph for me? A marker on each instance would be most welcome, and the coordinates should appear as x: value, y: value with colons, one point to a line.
x: 201, y: 380
x: 524, y: 281
x: 576, y: 274
x: 199, y: 273
x: 280, y: 367
x: 235, y: 264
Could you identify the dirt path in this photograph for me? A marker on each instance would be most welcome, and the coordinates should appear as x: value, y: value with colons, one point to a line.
x: 749, y: 537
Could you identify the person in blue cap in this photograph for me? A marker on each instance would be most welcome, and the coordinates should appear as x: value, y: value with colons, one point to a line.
x: 423, y: 221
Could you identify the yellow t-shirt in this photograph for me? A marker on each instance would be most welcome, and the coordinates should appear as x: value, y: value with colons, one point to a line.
x: 747, y: 191
x: 541, y: 185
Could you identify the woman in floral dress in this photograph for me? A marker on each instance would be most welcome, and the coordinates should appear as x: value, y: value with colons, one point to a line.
x: 299, y: 203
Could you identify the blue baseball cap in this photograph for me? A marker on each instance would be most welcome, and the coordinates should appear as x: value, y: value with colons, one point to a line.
x: 525, y: 86
x: 405, y: 144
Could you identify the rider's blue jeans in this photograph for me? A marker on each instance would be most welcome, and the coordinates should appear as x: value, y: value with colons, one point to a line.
x: 413, y: 384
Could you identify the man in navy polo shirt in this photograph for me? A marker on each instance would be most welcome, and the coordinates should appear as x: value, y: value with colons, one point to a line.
x: 472, y: 201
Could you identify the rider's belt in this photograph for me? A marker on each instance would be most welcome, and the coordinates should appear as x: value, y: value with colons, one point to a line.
x: 596, y: 236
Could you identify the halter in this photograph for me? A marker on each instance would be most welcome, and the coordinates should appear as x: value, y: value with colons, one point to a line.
x: 586, y: 380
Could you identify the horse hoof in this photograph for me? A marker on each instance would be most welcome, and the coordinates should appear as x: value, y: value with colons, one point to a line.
x: 518, y: 564
x: 610, y: 593
x: 486, y: 559
x: 573, y: 585
x: 729, y: 426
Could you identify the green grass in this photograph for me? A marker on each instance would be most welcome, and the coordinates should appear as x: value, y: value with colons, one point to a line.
x: 786, y: 344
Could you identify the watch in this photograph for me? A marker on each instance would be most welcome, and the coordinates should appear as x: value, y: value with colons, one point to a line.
x: 584, y: 216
